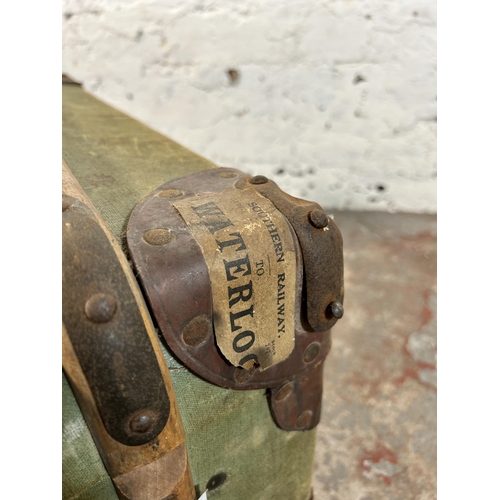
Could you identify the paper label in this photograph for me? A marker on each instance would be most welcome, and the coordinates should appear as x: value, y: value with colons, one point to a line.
x: 251, y: 260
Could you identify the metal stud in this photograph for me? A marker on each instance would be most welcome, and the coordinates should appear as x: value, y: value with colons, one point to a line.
x: 311, y: 353
x: 224, y: 174
x: 303, y: 419
x: 100, y: 308
x: 337, y: 309
x: 196, y: 331
x: 241, y: 375
x: 158, y: 237
x: 318, y: 218
x: 259, y: 179
x: 67, y: 201
x: 142, y: 422
x: 284, y: 392
x: 170, y: 193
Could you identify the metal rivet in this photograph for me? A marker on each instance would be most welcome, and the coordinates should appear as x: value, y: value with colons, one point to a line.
x: 67, y: 201
x: 158, y: 237
x: 197, y: 331
x: 142, y: 422
x: 337, y: 309
x: 100, y: 308
x: 170, y: 193
x: 303, y: 419
x: 318, y: 218
x: 284, y: 392
x: 216, y: 481
x: 311, y: 353
x: 259, y: 179
x: 226, y: 175
x: 241, y: 375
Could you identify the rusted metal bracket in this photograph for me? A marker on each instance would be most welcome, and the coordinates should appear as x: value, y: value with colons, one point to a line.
x: 175, y: 278
x: 321, y: 244
x: 107, y: 332
x: 297, y: 404
x: 113, y: 360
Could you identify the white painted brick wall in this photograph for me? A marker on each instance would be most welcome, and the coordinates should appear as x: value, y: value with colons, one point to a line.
x: 334, y: 100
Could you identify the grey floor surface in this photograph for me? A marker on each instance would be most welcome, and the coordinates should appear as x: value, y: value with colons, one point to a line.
x: 377, y: 435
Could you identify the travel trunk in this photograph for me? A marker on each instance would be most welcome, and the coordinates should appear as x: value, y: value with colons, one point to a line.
x: 248, y: 423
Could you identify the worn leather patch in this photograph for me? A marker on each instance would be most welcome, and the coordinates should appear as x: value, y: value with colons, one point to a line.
x: 248, y: 247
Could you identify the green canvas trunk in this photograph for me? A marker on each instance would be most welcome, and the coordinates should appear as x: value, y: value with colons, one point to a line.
x: 118, y: 161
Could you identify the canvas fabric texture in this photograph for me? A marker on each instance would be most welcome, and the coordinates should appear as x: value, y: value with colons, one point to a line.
x: 118, y: 161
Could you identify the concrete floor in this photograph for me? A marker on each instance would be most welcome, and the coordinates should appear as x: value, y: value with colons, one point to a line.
x: 377, y: 435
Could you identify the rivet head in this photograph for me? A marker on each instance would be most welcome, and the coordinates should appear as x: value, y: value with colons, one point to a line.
x: 142, y: 422
x: 337, y: 309
x: 197, y: 331
x: 241, y: 375
x: 259, y: 179
x: 216, y: 481
x: 284, y: 392
x: 170, y: 193
x: 318, y: 218
x: 303, y: 419
x: 67, y: 201
x: 100, y: 308
x: 158, y: 237
x: 224, y: 174
x: 311, y: 353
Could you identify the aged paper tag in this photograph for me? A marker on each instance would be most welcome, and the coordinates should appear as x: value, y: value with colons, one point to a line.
x: 250, y: 256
